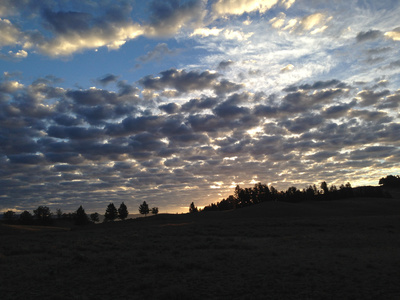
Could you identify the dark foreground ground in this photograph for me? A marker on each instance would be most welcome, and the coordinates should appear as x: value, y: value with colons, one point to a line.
x: 345, y: 249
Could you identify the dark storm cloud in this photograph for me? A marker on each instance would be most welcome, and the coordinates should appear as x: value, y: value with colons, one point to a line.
x: 371, y: 34
x: 180, y: 80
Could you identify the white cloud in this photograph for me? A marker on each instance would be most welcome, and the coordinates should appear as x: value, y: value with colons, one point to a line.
x: 18, y: 55
x: 112, y: 37
x: 204, y: 32
x: 239, y: 7
x: 394, y: 35
x: 287, y: 3
x: 313, y: 24
x: 309, y: 22
x: 9, y: 34
x: 278, y: 21
x: 287, y: 68
x: 236, y: 35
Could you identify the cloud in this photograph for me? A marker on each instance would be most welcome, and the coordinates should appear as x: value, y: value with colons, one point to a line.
x: 197, y: 105
x: 287, y: 68
x: 113, y: 36
x: 205, y: 32
x: 9, y: 34
x: 394, y: 35
x: 368, y: 35
x: 225, y: 64
x: 369, y: 98
x: 239, y: 7
x: 106, y: 79
x: 168, y: 16
x: 158, y: 53
x: 312, y: 24
x: 170, y: 108
x: 181, y: 80
x: 394, y: 65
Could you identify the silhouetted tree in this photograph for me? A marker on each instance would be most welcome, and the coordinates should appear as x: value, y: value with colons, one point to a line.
x: 95, y: 217
x: 9, y: 216
x: 324, y: 187
x: 144, y: 208
x: 59, y: 213
x: 122, y: 211
x: 26, y: 218
x: 193, y: 208
x: 43, y: 215
x: 390, y: 181
x: 154, y: 210
x: 111, y: 213
x: 81, y: 217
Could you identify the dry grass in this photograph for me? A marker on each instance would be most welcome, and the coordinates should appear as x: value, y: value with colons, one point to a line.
x: 327, y: 250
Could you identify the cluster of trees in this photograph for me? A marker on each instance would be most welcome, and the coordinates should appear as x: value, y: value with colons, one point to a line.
x: 390, y: 181
x: 43, y: 216
x: 261, y: 193
x: 144, y: 209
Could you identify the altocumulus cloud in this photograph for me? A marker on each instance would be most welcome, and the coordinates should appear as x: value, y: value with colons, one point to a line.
x: 71, y: 147
x: 280, y: 91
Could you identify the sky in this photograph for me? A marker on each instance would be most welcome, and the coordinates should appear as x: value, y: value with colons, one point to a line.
x: 172, y: 102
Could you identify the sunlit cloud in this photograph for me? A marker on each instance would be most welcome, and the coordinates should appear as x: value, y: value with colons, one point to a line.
x: 239, y: 7
x: 394, y: 35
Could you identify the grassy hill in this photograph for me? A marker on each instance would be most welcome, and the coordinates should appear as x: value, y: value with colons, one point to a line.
x: 347, y: 249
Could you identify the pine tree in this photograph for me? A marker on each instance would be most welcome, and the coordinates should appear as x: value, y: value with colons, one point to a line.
x: 122, y: 211
x: 81, y: 217
x: 193, y: 208
x: 144, y: 208
x: 111, y: 213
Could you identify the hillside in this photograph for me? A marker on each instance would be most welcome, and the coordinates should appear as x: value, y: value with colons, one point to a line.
x: 347, y: 249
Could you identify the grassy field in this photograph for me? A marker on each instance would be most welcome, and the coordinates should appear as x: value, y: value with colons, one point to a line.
x: 344, y: 249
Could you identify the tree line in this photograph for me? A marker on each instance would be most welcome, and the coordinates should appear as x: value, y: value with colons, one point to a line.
x: 243, y: 197
x: 43, y: 215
